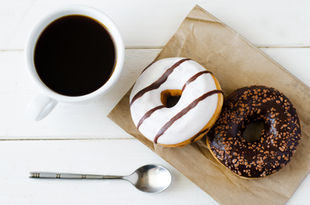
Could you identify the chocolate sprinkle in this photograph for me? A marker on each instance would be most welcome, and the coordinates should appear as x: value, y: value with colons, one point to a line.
x: 273, y: 150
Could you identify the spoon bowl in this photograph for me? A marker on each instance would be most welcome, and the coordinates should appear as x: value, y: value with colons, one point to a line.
x: 150, y: 178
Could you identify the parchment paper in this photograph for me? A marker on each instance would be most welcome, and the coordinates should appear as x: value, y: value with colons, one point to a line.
x: 236, y: 63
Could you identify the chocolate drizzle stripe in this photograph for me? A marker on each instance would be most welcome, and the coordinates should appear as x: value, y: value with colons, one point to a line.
x: 148, y: 114
x: 183, y: 112
x: 194, y: 77
x: 159, y: 81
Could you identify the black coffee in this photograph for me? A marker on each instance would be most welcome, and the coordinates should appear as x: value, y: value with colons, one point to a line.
x: 74, y: 55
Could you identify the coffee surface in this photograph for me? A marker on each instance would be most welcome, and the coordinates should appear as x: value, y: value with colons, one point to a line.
x: 74, y: 55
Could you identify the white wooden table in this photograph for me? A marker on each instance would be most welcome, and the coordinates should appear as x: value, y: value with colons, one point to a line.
x: 80, y: 138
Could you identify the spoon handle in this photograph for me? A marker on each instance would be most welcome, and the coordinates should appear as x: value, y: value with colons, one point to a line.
x: 54, y: 175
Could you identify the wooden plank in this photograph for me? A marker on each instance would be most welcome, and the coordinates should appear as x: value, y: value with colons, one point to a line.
x: 151, y: 23
x: 98, y: 157
x: 18, y: 158
x: 88, y: 120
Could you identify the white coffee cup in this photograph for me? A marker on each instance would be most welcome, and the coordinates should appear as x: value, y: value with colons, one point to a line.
x: 45, y: 102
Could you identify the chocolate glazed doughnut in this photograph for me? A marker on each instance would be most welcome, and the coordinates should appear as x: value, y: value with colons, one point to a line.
x: 273, y: 149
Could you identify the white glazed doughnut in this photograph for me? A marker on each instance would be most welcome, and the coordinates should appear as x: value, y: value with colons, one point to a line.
x: 193, y: 114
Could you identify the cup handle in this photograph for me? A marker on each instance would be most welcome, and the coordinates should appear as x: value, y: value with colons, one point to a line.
x: 40, y: 107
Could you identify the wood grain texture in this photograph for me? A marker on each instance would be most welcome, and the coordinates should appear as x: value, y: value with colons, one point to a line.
x: 151, y: 23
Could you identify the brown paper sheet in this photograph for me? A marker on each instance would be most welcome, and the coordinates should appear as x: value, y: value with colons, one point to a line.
x: 236, y: 63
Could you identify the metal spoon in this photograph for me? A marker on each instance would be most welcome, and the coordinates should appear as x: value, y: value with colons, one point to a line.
x: 148, y: 178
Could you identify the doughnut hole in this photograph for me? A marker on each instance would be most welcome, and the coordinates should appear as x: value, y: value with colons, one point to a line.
x: 170, y: 98
x: 253, y: 131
